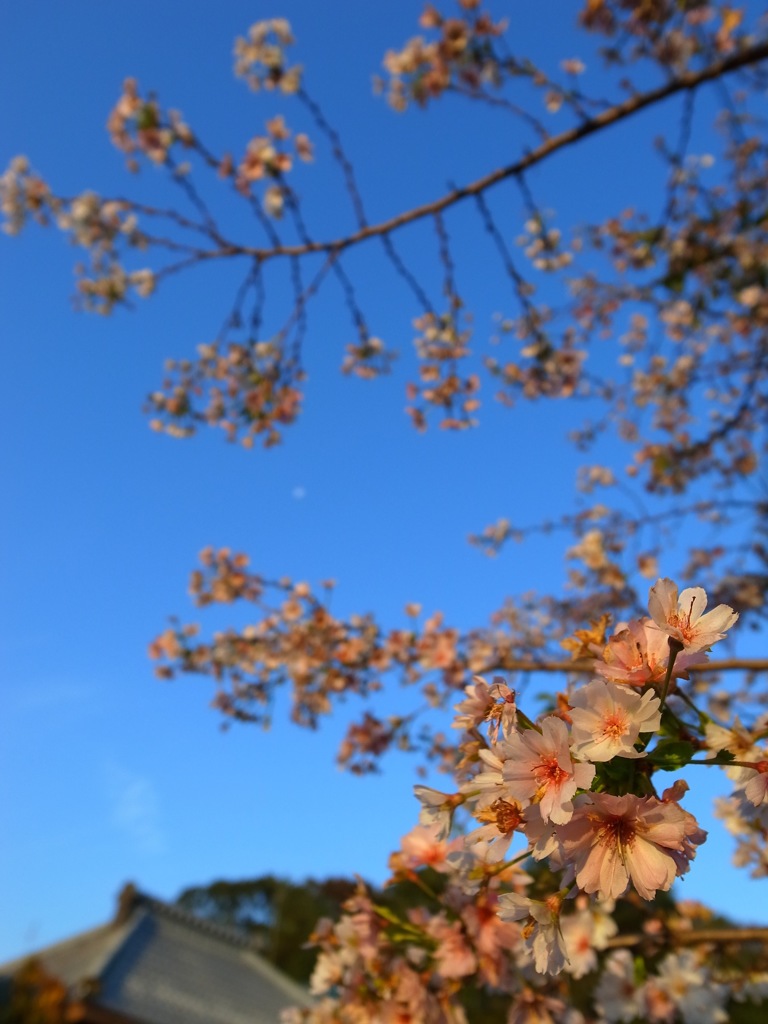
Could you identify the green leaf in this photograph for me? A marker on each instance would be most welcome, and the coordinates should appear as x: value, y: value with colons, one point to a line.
x: 669, y: 755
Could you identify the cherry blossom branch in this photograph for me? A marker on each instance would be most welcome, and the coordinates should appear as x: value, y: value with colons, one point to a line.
x: 587, y: 666
x: 613, y: 115
x: 692, y: 938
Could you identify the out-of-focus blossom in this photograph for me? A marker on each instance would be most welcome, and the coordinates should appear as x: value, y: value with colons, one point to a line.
x: 541, y: 932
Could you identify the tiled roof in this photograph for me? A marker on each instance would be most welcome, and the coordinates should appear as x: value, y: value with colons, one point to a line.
x: 160, y: 965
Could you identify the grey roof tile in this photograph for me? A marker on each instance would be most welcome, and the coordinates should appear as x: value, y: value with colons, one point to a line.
x: 160, y: 965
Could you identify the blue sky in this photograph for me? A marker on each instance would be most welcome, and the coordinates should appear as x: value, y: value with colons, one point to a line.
x: 105, y: 773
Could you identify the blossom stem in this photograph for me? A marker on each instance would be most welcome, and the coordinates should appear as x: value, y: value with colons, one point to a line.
x: 525, y: 721
x: 674, y: 649
x: 754, y: 765
x: 426, y: 889
x: 703, y: 718
x: 510, y: 863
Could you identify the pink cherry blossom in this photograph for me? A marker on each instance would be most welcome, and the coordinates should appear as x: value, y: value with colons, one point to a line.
x: 494, y: 704
x: 437, y: 808
x: 756, y: 789
x: 608, y: 719
x: 453, y: 956
x: 474, y: 709
x: 423, y: 846
x: 491, y: 938
x: 615, y: 840
x: 540, y: 770
x: 683, y: 618
x: 584, y: 933
x: 638, y: 654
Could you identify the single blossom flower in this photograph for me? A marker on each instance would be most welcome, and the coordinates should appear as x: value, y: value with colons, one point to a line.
x: 452, y: 955
x: 613, y: 841
x: 494, y: 704
x: 585, y: 932
x: 474, y: 709
x: 638, y: 654
x: 617, y: 996
x: 423, y: 847
x: 543, y: 838
x: 608, y: 719
x: 541, y: 770
x: 740, y: 741
x: 541, y: 932
x: 491, y: 841
x: 437, y: 808
x: 756, y: 788
x: 683, y: 986
x: 682, y: 618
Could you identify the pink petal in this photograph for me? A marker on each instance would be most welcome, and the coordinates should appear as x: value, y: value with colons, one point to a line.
x: 649, y: 868
x: 613, y: 875
x: 662, y: 601
x: 588, y: 875
x: 692, y: 602
x: 718, y: 620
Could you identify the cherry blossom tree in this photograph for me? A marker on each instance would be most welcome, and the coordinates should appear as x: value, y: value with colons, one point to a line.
x: 550, y: 825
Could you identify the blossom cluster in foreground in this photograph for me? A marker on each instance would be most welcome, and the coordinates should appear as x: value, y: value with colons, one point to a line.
x: 552, y: 821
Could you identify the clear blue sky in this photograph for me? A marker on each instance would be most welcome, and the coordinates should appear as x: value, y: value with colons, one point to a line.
x: 106, y: 774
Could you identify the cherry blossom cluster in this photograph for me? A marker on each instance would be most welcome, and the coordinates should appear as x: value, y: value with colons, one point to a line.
x: 138, y: 126
x: 246, y: 390
x: 577, y: 787
x: 745, y: 812
x: 543, y: 245
x: 666, y: 32
x: 103, y: 227
x: 423, y: 70
x: 543, y: 371
x: 260, y: 57
x: 297, y: 640
x: 367, y: 358
x: 263, y: 159
x: 440, y: 345
x: 23, y: 194
x: 578, y: 784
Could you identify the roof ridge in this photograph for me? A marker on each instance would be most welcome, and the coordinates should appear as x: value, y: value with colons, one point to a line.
x: 118, y: 933
x: 228, y: 933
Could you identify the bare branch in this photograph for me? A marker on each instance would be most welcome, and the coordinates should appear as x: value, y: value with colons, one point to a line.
x: 587, y: 666
x: 620, y: 112
x: 693, y: 937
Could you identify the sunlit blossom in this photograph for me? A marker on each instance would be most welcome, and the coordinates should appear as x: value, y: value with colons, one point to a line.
x: 540, y: 769
x: 608, y: 719
x: 617, y: 840
x: 638, y: 654
x: 756, y: 787
x: 436, y: 809
x: 682, y: 618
